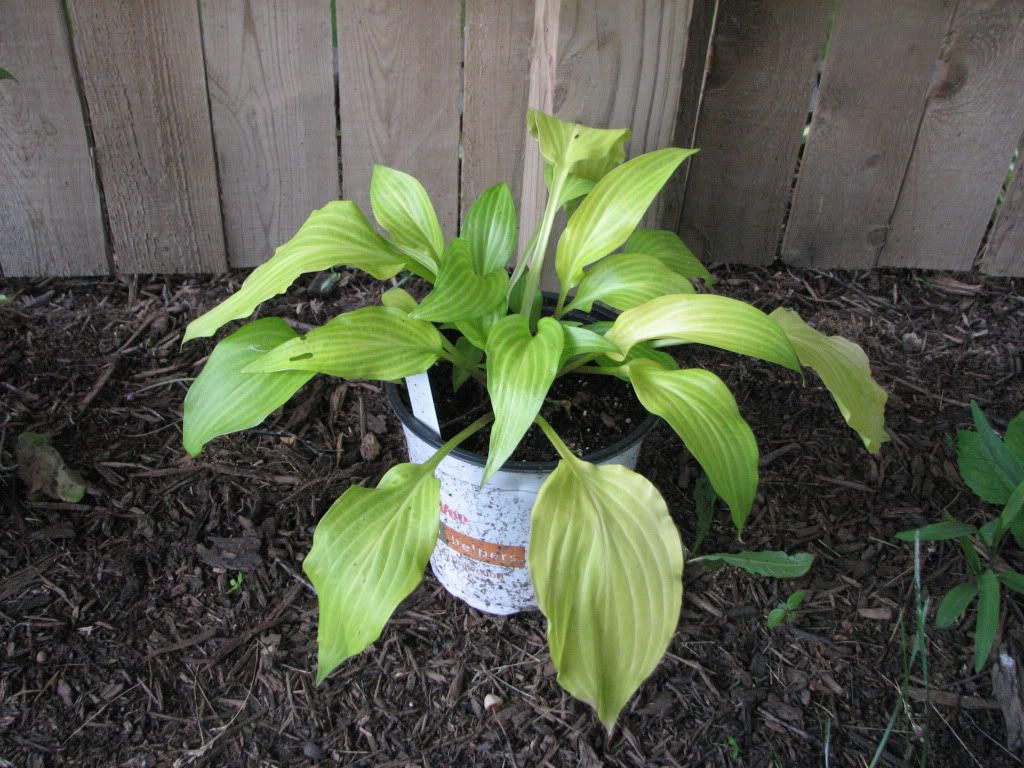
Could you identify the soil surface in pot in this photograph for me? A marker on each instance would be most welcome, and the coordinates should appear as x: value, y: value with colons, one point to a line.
x: 129, y: 639
x: 588, y: 412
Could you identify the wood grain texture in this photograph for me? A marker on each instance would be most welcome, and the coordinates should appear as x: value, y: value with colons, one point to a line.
x: 607, y: 64
x: 970, y: 129
x: 50, y: 219
x: 496, y: 80
x: 1004, y: 254
x: 399, y: 97
x: 270, y: 74
x: 141, y: 63
x: 753, y: 111
x: 873, y: 91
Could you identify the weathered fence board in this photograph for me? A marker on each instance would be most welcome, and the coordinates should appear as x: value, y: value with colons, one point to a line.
x: 970, y: 129
x: 1004, y: 254
x: 753, y: 112
x: 399, y: 96
x: 496, y: 78
x: 141, y: 65
x: 862, y: 133
x: 50, y: 219
x: 270, y: 75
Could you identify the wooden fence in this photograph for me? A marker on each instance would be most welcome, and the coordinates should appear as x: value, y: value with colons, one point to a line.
x: 176, y: 136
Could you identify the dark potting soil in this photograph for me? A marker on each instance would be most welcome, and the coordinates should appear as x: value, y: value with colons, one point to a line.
x: 588, y: 412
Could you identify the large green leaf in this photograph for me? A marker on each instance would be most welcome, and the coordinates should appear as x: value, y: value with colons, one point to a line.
x: 583, y: 341
x: 520, y: 369
x: 610, y: 213
x: 566, y: 144
x: 369, y: 552
x: 398, y: 298
x: 845, y: 372
x: 776, y: 565
x: 705, y: 319
x: 401, y: 205
x: 954, y: 604
x: 627, y: 280
x: 369, y: 343
x: 337, y: 234
x: 606, y: 563
x: 988, y: 618
x: 1006, y: 467
x: 702, y: 411
x: 223, y: 399
x: 1014, y: 437
x: 670, y: 250
x: 490, y: 229
x: 460, y: 293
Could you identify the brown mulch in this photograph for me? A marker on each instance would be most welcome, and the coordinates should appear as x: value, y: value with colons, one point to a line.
x: 126, y: 638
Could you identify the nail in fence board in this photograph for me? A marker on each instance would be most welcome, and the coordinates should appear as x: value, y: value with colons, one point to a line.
x: 970, y: 129
x: 753, y: 112
x: 50, y: 219
x: 141, y: 65
x: 399, y: 97
x: 873, y: 91
x: 270, y: 74
x: 1004, y: 254
x: 607, y: 64
x: 497, y: 64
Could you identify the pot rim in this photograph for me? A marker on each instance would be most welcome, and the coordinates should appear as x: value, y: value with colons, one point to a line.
x: 426, y: 434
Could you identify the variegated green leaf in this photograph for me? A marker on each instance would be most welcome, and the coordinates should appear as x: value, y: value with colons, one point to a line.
x: 702, y: 411
x: 610, y: 213
x: 845, y: 372
x: 627, y: 280
x: 491, y: 230
x: 642, y: 349
x: 705, y: 319
x: 476, y: 329
x: 369, y: 552
x: 398, y: 298
x: 370, y: 343
x: 606, y: 563
x: 336, y: 235
x: 566, y: 144
x: 223, y: 399
x: 520, y: 369
x: 670, y: 251
x: 401, y: 205
x: 459, y: 292
x: 574, y: 188
x: 582, y: 341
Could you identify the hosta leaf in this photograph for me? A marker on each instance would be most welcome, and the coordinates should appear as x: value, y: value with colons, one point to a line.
x: 574, y: 187
x: 336, y: 235
x: 640, y: 350
x: 845, y: 372
x: 670, y: 251
x: 471, y: 355
x: 565, y: 144
x: 627, y: 280
x: 606, y: 563
x: 702, y: 411
x: 401, y: 205
x: 610, y: 213
x: 954, y: 604
x: 988, y: 618
x: 520, y: 369
x: 398, y: 298
x: 223, y: 399
x: 370, y: 343
x: 1005, y: 465
x: 459, y: 292
x: 369, y: 552
x: 777, y: 565
x: 491, y: 230
x: 950, y: 529
x: 705, y: 319
x: 582, y: 341
x: 477, y: 329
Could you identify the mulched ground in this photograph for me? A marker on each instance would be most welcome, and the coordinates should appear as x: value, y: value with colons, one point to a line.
x: 124, y: 641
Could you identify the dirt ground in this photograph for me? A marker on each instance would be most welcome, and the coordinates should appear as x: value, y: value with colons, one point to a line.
x: 129, y: 639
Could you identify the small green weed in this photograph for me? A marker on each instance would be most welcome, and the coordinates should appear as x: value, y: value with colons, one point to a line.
x: 235, y: 582
x: 785, y: 612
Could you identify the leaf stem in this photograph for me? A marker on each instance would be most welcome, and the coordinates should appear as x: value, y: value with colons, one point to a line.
x: 456, y: 441
x: 536, y: 256
x: 556, y: 441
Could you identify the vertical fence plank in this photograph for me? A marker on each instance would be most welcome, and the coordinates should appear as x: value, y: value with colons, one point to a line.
x: 270, y: 74
x: 1004, y: 254
x: 142, y: 70
x: 399, y: 96
x: 494, y: 108
x: 50, y: 220
x: 967, y: 137
x: 607, y: 64
x: 753, y: 111
x: 862, y: 133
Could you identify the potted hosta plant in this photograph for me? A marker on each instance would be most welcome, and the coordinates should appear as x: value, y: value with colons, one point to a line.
x: 602, y: 558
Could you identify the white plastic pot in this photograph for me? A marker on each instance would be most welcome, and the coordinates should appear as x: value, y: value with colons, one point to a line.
x: 480, y: 554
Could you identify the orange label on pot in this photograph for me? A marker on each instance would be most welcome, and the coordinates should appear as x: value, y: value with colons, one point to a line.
x: 484, y: 551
